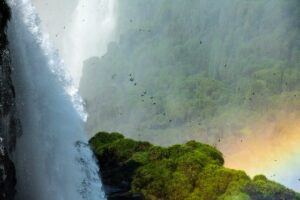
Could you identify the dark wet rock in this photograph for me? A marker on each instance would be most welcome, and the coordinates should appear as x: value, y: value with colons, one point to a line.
x: 9, y: 123
x: 117, y: 176
x: 7, y: 175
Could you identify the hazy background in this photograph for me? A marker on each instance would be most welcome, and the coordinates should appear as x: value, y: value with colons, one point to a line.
x: 222, y: 72
x: 56, y: 15
x: 79, y: 28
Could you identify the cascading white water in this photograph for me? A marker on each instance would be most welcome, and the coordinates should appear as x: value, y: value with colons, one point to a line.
x: 51, y: 164
x: 89, y: 33
x: 80, y: 29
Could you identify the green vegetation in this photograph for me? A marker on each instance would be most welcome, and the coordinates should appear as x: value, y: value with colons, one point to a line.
x: 213, y: 68
x: 192, y: 171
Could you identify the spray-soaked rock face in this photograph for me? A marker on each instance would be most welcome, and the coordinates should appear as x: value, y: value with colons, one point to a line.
x: 7, y: 175
x: 8, y: 121
x: 4, y: 13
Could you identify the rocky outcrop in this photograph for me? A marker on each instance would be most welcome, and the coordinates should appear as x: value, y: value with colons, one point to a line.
x: 7, y: 175
x: 139, y: 170
x: 116, y: 177
x: 9, y: 123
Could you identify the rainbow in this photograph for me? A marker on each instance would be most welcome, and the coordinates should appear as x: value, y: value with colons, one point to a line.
x: 274, y: 150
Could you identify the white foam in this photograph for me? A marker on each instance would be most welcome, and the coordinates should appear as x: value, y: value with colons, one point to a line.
x: 52, y: 115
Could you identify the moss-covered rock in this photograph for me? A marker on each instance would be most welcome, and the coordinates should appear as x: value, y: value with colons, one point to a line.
x: 192, y: 171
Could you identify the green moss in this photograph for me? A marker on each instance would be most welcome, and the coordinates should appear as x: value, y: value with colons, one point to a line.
x: 115, y: 146
x: 263, y: 189
x: 103, y: 139
x: 192, y: 171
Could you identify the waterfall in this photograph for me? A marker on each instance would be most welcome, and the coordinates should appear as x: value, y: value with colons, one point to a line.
x: 89, y: 33
x: 52, y: 159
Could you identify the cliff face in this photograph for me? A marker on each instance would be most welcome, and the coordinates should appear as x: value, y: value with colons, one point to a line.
x: 217, y: 67
x: 9, y: 124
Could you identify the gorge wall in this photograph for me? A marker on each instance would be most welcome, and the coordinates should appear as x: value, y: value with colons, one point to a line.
x: 9, y: 123
x: 222, y: 72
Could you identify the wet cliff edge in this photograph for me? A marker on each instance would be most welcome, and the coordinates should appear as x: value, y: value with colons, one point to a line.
x: 9, y: 123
